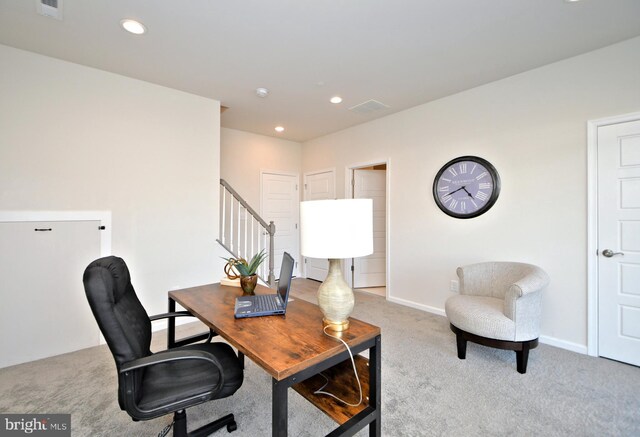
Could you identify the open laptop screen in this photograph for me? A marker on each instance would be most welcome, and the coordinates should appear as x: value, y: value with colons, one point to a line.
x: 286, y: 271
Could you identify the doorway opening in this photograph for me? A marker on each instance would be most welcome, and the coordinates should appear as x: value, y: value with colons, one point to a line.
x: 370, y: 180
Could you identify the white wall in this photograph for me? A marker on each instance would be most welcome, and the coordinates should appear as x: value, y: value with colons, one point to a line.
x: 243, y: 155
x: 77, y: 138
x: 532, y: 127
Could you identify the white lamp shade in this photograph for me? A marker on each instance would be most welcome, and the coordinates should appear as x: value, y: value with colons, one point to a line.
x: 336, y: 229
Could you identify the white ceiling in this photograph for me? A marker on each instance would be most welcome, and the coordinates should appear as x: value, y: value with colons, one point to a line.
x: 400, y: 52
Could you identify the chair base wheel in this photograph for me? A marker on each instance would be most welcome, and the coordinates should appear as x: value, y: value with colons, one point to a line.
x: 180, y: 426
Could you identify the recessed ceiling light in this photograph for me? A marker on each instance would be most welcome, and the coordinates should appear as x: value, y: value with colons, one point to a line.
x: 133, y: 26
x: 279, y: 129
x: 262, y: 92
x: 336, y: 99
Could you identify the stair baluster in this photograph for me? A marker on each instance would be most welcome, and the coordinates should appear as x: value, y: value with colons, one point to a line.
x: 243, y: 240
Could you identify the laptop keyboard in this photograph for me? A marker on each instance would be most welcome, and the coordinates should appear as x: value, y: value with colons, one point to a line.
x: 265, y: 303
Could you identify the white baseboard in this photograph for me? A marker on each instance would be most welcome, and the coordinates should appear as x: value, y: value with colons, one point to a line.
x: 160, y: 325
x: 545, y: 339
x: 563, y: 344
x: 408, y: 303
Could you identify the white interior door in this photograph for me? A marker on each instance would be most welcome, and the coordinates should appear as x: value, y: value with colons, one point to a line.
x: 619, y: 242
x: 280, y: 204
x: 45, y: 311
x: 370, y: 271
x: 318, y: 186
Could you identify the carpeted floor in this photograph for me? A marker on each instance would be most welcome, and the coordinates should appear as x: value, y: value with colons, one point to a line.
x: 426, y: 389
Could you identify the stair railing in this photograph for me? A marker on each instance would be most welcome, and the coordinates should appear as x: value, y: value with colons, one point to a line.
x: 243, y: 233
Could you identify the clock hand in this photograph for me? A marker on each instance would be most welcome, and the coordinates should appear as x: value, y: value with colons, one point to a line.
x: 467, y: 192
x: 461, y: 188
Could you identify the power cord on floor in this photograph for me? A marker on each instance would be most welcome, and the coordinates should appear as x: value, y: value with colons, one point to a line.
x: 320, y: 390
x: 166, y: 430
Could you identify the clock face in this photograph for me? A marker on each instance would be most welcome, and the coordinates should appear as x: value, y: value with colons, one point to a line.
x: 466, y: 187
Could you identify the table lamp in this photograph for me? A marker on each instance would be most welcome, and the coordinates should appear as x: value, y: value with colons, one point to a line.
x: 336, y: 229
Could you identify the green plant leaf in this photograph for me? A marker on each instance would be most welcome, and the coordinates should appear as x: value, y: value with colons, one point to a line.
x: 255, y: 262
x: 243, y: 269
x: 250, y: 268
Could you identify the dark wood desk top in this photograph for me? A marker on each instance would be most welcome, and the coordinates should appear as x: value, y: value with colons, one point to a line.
x: 281, y: 345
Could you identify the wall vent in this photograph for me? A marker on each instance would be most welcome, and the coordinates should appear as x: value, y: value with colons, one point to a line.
x: 368, y: 107
x: 50, y: 8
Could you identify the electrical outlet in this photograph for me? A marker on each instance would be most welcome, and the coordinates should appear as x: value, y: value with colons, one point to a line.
x: 454, y: 286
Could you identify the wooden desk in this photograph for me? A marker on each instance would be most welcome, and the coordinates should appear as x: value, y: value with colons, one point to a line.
x: 293, y: 349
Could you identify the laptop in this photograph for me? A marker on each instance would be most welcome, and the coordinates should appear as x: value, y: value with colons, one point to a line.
x: 268, y: 304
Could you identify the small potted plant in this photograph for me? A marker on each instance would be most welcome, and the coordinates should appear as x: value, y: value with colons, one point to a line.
x: 247, y: 270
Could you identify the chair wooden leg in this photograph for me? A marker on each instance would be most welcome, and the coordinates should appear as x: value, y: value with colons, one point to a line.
x: 521, y: 348
x: 522, y: 356
x: 462, y: 346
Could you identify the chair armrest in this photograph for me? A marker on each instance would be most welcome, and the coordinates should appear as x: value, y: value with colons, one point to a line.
x: 170, y: 315
x: 131, y: 382
x: 171, y: 342
x: 523, y: 304
x: 169, y: 356
x: 536, y: 280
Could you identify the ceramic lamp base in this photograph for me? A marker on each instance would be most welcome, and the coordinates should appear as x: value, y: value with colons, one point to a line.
x: 335, y: 298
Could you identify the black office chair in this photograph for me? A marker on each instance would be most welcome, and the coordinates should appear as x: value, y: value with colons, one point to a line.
x: 150, y: 384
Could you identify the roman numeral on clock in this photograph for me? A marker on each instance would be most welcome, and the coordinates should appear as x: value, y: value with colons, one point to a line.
x: 481, y: 175
x: 481, y: 195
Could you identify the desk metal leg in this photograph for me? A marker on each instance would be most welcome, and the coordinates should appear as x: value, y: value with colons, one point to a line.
x: 375, y: 373
x: 241, y: 359
x: 279, y: 408
x: 171, y: 328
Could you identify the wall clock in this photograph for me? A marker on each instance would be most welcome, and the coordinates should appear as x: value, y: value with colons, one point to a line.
x: 466, y: 187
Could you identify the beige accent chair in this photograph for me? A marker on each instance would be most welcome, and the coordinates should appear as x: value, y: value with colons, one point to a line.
x: 498, y: 306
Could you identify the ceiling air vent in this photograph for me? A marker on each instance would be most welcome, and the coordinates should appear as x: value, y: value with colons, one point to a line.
x: 50, y: 8
x: 368, y: 107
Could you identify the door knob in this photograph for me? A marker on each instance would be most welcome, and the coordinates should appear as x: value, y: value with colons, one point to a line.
x: 609, y: 253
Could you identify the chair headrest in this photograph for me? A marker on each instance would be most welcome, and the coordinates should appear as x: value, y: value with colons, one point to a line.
x: 121, y: 317
x: 118, y: 272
